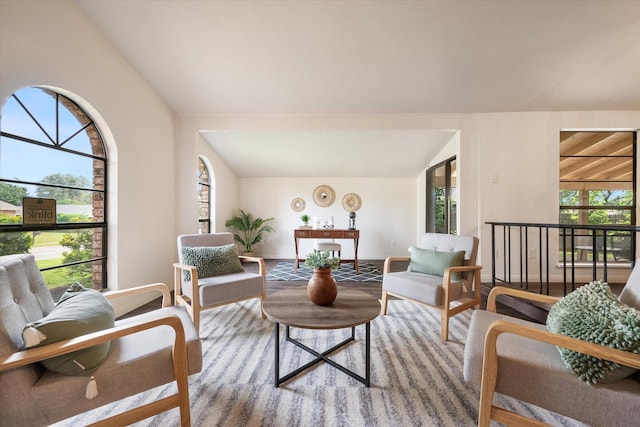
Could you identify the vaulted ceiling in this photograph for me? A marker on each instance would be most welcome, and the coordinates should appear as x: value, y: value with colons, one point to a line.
x: 375, y: 57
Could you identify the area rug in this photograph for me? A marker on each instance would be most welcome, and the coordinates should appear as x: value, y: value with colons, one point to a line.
x: 416, y: 379
x: 346, y: 273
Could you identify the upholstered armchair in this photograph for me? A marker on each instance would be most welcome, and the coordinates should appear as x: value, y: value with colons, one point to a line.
x: 529, y: 362
x: 209, y: 274
x: 140, y: 352
x: 442, y: 274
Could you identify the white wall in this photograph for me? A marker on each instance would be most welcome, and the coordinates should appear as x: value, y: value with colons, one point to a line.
x: 391, y: 215
x: 386, y: 219
x: 52, y: 43
x: 154, y: 159
x: 522, y: 149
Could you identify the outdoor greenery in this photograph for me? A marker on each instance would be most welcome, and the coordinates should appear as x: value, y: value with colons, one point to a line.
x: 14, y: 242
x: 598, y: 207
x: 250, y: 231
x: 56, y: 278
x: 604, y: 207
x: 80, y: 245
x: 65, y: 196
x: 322, y: 259
x: 12, y: 193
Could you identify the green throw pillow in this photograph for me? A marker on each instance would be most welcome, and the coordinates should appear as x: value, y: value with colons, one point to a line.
x: 592, y: 313
x: 79, y: 311
x: 433, y: 262
x: 212, y: 260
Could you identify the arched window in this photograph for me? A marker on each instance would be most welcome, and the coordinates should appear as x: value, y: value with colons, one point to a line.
x: 204, y: 198
x: 53, y: 175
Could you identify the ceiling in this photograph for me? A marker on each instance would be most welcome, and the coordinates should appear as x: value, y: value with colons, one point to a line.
x: 373, y: 57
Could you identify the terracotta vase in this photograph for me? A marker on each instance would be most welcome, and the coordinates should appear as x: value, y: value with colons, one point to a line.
x: 322, y: 288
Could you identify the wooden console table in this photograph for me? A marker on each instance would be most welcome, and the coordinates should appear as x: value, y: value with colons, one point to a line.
x: 333, y: 233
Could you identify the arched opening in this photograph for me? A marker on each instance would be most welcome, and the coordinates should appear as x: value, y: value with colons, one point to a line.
x: 53, y: 154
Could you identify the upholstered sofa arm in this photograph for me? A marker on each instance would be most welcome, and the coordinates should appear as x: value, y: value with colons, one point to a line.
x: 490, y: 363
x: 154, y: 287
x: 389, y: 260
x: 517, y: 293
x: 262, y: 269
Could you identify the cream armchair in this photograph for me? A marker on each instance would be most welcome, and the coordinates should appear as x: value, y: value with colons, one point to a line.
x: 197, y: 293
x: 518, y: 358
x: 451, y: 291
x: 148, y: 350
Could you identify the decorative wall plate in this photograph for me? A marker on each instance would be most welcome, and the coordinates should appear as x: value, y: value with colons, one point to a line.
x: 351, y: 202
x: 298, y: 204
x: 324, y: 196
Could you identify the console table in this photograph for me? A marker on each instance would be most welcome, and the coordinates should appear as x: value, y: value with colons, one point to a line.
x: 333, y: 233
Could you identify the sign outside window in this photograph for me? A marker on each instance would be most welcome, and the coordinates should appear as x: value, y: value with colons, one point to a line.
x: 38, y: 211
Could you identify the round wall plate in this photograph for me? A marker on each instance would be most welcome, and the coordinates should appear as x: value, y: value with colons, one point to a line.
x: 298, y: 204
x: 351, y: 202
x: 324, y: 196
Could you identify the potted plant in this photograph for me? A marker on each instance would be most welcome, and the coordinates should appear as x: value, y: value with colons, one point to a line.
x: 305, y: 220
x: 322, y: 259
x: 250, y: 230
x: 322, y: 288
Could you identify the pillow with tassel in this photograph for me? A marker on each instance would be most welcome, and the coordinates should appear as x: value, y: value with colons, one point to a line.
x: 79, y: 311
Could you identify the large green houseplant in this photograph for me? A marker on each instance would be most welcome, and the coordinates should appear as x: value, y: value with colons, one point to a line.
x: 249, y: 230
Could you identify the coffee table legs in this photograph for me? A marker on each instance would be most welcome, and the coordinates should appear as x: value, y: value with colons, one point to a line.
x: 322, y: 356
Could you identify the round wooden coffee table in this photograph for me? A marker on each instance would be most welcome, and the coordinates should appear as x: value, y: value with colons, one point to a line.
x: 292, y: 308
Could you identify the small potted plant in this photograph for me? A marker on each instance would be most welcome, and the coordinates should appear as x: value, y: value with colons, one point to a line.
x: 305, y: 220
x: 322, y: 259
x: 322, y: 288
x: 250, y: 230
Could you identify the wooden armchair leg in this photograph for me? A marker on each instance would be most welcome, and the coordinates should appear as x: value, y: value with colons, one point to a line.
x: 384, y: 302
x: 262, y: 298
x: 444, y: 325
x: 195, y: 316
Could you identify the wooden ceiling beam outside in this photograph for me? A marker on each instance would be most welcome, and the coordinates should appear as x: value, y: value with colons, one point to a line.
x: 589, y: 158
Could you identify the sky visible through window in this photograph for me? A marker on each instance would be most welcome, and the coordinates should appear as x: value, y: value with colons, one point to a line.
x: 28, y: 162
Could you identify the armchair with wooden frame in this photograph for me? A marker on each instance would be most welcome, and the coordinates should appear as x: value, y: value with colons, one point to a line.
x: 197, y: 294
x: 520, y: 359
x: 146, y: 351
x: 458, y: 289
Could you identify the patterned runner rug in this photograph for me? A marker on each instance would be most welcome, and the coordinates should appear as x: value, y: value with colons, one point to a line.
x: 416, y: 379
x: 346, y: 273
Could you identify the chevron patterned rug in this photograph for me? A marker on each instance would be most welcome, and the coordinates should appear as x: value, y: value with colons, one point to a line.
x: 416, y: 379
x: 283, y: 271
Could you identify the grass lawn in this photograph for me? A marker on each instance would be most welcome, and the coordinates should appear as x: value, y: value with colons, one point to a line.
x: 48, y: 238
x: 54, y: 278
